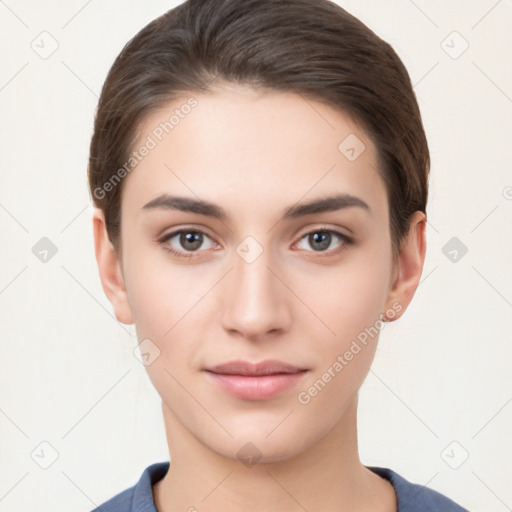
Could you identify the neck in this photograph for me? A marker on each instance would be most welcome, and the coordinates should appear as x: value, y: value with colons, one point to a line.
x: 327, y: 476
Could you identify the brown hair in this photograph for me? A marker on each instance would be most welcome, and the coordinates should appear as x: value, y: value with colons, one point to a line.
x: 310, y: 47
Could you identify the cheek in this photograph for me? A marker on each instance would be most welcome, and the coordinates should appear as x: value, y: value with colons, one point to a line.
x: 348, y: 298
x: 351, y: 306
x: 160, y: 292
x: 350, y: 302
x: 168, y: 304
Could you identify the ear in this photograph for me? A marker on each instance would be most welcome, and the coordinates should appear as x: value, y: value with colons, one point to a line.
x: 407, y: 272
x: 110, y: 270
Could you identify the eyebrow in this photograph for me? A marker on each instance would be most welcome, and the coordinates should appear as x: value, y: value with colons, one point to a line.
x: 200, y: 207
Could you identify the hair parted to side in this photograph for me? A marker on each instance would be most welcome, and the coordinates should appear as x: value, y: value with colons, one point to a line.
x: 311, y: 47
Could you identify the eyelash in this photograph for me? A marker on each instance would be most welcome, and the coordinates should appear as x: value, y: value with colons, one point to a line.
x: 347, y: 241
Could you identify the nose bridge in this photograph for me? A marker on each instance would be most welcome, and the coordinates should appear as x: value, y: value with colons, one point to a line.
x: 255, y: 303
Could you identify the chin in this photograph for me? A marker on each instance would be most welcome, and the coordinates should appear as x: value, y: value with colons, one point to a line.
x: 253, y: 447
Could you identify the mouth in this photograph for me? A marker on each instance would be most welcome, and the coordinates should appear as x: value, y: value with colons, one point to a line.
x: 255, y: 381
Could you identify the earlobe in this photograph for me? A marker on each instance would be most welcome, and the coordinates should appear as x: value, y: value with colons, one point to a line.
x: 110, y: 270
x: 409, y: 266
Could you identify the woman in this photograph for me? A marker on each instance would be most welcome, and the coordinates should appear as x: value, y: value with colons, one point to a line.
x: 259, y: 170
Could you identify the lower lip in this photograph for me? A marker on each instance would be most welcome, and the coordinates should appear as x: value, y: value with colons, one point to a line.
x: 259, y: 387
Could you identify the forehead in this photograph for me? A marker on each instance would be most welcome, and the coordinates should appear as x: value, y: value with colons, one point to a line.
x: 251, y: 149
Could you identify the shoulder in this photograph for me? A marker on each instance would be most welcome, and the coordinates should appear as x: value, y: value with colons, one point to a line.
x: 139, y: 497
x: 121, y: 502
x: 417, y: 498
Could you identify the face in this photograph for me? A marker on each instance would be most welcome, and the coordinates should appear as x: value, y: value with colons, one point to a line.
x: 258, y: 280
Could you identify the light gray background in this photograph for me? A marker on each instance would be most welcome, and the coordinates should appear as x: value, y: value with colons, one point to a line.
x: 440, y: 388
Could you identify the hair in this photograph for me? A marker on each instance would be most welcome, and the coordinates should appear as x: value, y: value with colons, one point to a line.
x: 310, y: 47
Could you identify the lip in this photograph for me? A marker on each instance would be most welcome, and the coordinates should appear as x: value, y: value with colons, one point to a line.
x: 255, y: 381
x: 267, y: 367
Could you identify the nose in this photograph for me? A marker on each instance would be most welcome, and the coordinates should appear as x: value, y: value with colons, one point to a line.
x: 256, y: 302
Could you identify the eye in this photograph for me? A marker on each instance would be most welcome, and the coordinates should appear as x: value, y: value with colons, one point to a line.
x: 321, y: 239
x: 190, y: 241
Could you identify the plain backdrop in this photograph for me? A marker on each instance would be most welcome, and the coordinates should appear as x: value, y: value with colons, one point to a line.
x: 79, y: 418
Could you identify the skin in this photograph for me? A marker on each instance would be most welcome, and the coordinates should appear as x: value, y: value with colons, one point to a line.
x: 254, y: 153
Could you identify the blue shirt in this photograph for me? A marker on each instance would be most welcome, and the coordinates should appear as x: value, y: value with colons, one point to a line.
x: 411, y: 497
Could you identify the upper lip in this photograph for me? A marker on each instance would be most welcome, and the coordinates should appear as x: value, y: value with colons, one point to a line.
x: 267, y: 367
